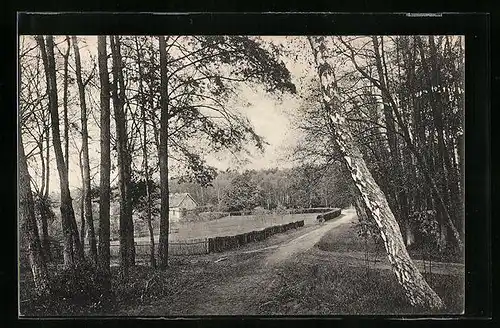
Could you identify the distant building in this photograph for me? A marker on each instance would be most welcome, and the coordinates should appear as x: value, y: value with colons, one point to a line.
x: 179, y: 203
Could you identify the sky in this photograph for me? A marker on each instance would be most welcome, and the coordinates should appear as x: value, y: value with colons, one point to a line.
x: 268, y: 115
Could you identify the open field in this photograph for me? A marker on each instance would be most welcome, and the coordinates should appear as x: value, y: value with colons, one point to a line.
x: 228, y: 226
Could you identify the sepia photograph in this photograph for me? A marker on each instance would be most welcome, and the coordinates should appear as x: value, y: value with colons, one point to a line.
x: 241, y: 175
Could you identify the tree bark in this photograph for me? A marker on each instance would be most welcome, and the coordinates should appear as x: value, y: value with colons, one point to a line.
x: 163, y: 159
x: 127, y: 247
x: 395, y: 158
x: 105, y: 161
x: 65, y: 103
x: 72, y: 246
x: 42, y: 203
x: 45, y: 227
x: 87, y: 198
x: 152, y: 256
x: 47, y: 154
x: 29, y: 227
x: 82, y: 202
x: 416, y: 289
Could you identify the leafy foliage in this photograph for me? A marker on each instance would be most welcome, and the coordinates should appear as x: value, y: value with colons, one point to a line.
x: 242, y: 194
x: 139, y: 196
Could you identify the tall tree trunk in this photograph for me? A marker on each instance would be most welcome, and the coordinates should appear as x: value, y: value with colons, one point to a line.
x: 105, y: 161
x: 42, y: 163
x: 42, y: 204
x: 45, y: 229
x: 87, y: 198
x: 152, y: 256
x: 395, y: 158
x: 414, y: 285
x: 65, y: 103
x: 29, y: 227
x: 163, y: 159
x: 72, y: 247
x: 45, y: 196
x: 82, y: 202
x: 127, y: 247
x: 47, y: 154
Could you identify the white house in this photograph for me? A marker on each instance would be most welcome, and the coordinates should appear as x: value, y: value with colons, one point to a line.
x: 179, y: 203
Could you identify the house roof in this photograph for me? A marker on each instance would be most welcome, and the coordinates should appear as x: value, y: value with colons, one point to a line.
x: 175, y: 199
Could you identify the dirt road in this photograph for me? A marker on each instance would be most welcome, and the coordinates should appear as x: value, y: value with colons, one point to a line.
x: 245, y: 293
x: 308, y: 240
x: 250, y: 281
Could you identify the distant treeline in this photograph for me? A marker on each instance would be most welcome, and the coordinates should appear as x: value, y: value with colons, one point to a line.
x: 304, y: 186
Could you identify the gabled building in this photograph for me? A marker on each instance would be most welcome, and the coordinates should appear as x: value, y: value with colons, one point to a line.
x: 179, y: 203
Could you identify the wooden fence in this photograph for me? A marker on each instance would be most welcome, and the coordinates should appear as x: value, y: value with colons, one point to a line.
x: 221, y: 244
x: 187, y: 247
x: 329, y: 215
x: 194, y: 246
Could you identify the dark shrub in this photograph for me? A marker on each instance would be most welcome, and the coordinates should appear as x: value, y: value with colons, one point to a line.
x: 81, y: 286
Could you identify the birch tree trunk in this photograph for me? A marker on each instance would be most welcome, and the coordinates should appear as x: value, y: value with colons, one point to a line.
x: 28, y: 226
x: 87, y: 199
x: 105, y: 165
x: 415, y: 287
x: 73, y: 254
x: 164, y: 219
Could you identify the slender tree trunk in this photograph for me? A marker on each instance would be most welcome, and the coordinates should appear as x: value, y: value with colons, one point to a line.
x: 87, y: 198
x: 44, y: 211
x: 65, y: 103
x: 29, y: 227
x: 82, y: 202
x: 42, y: 203
x: 42, y: 163
x: 47, y: 154
x: 416, y: 289
x: 127, y: 253
x: 72, y: 248
x: 152, y: 256
x: 105, y: 162
x: 163, y: 153
x: 45, y: 230
x: 395, y: 158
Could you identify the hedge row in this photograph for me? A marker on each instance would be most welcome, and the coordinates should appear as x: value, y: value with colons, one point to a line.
x: 221, y: 244
x: 329, y: 215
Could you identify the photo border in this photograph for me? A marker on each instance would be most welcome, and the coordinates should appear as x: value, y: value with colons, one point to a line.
x: 475, y: 27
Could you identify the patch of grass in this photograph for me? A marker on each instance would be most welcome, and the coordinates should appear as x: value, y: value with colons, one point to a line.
x: 326, y: 289
x: 73, y: 292
x: 345, y: 239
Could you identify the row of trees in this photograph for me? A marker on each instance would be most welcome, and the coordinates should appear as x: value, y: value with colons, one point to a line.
x: 169, y: 97
x: 403, y: 98
x: 302, y: 186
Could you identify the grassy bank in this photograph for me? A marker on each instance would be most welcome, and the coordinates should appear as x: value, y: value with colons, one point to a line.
x: 345, y: 239
x: 329, y: 288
